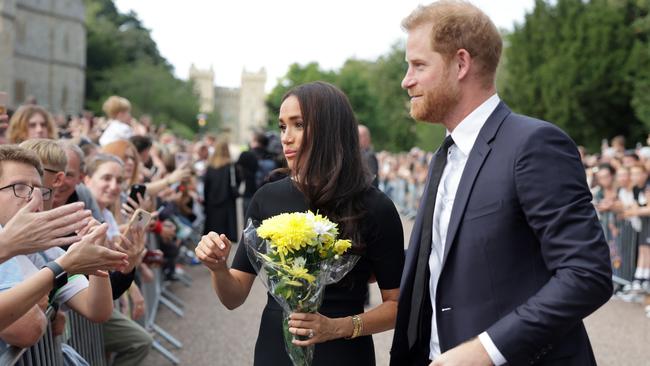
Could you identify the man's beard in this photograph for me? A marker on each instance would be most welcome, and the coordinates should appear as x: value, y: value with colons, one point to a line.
x: 436, y: 103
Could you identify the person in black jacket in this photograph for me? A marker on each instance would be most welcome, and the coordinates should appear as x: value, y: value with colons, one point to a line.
x: 221, y: 184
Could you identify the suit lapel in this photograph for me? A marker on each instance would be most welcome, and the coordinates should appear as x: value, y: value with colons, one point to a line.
x: 475, y: 161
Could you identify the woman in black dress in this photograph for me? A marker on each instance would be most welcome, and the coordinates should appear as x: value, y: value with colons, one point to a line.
x: 326, y: 174
x: 220, y: 192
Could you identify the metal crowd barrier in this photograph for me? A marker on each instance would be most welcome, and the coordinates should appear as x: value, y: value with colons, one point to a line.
x: 87, y: 338
x: 46, y: 352
x: 622, y: 240
x: 155, y: 294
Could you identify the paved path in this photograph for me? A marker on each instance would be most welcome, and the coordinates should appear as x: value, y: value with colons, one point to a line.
x: 213, y: 335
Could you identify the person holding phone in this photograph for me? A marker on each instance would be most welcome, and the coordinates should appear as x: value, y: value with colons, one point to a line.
x: 105, y: 177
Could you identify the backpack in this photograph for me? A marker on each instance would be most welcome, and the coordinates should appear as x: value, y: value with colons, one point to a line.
x: 264, y: 169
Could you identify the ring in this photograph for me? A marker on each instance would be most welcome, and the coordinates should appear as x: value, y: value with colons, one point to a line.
x: 311, y: 334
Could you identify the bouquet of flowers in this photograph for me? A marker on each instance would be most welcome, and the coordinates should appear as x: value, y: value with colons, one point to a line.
x: 296, y: 255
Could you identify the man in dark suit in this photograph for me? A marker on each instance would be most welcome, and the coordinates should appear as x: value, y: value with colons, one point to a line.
x: 506, y: 255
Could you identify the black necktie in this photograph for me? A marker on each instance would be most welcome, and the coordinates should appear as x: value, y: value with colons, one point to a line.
x: 420, y: 285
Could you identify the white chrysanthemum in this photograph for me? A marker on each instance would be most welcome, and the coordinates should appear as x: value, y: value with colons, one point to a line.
x: 299, y: 262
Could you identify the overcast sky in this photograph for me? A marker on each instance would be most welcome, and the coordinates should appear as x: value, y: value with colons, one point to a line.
x: 233, y: 35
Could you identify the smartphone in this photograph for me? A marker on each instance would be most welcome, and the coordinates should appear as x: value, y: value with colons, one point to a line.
x: 4, y: 100
x: 181, y: 158
x: 139, y: 220
x: 135, y: 189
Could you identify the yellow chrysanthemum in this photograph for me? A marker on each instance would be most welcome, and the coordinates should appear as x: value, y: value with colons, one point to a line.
x: 287, y: 232
x: 342, y: 246
x: 300, y: 272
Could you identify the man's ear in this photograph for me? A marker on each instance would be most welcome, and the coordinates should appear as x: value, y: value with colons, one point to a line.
x: 58, y: 180
x: 464, y: 63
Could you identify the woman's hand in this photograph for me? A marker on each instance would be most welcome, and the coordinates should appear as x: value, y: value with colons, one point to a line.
x: 132, y: 245
x: 213, y: 251
x: 317, y: 328
x: 129, y: 207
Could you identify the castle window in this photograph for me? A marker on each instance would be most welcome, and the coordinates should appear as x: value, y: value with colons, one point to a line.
x: 64, y: 98
x: 66, y: 43
x: 19, y: 92
x: 20, y: 29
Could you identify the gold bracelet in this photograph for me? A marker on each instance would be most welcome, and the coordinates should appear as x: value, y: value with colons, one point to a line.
x: 357, y: 325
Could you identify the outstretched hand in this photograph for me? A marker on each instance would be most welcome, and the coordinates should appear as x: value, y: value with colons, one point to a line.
x: 213, y: 251
x: 132, y: 244
x: 31, y: 231
x: 89, y: 258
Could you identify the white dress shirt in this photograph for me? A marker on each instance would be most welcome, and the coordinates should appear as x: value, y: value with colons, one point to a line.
x: 464, y: 136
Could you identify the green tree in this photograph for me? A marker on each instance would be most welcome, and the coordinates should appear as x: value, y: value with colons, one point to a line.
x: 151, y: 90
x: 640, y: 15
x: 123, y: 59
x: 568, y: 63
x: 296, y: 75
x: 376, y: 96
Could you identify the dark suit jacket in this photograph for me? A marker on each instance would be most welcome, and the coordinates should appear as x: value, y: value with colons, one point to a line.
x: 525, y: 257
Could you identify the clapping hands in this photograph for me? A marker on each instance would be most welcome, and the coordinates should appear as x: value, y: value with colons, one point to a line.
x: 89, y: 257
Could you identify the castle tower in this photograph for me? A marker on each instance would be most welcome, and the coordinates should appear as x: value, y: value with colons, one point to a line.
x: 204, y: 85
x: 252, y: 106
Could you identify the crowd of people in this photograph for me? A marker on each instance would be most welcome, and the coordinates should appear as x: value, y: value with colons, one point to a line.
x: 70, y: 189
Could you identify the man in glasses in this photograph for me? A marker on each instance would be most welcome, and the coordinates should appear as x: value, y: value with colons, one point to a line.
x: 54, y: 161
x: 22, y: 286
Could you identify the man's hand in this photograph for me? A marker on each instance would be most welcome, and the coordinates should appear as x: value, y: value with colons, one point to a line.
x: 87, y: 257
x: 470, y: 353
x: 30, y: 231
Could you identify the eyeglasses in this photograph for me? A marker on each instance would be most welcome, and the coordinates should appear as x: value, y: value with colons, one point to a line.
x: 22, y: 190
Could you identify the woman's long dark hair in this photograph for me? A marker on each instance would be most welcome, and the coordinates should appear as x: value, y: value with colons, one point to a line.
x: 328, y: 169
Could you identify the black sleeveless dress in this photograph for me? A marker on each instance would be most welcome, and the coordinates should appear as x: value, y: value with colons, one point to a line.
x: 383, y: 256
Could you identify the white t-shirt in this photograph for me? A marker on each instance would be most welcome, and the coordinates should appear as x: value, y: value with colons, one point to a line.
x: 116, y: 130
x: 113, y: 227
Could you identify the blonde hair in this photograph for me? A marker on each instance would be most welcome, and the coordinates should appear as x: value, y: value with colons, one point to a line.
x: 20, y: 155
x: 49, y: 151
x: 221, y: 155
x: 98, y: 160
x: 19, y: 123
x: 460, y: 25
x: 114, y: 105
x: 119, y: 149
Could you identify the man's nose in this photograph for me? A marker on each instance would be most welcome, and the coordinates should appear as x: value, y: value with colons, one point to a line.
x: 407, y: 82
